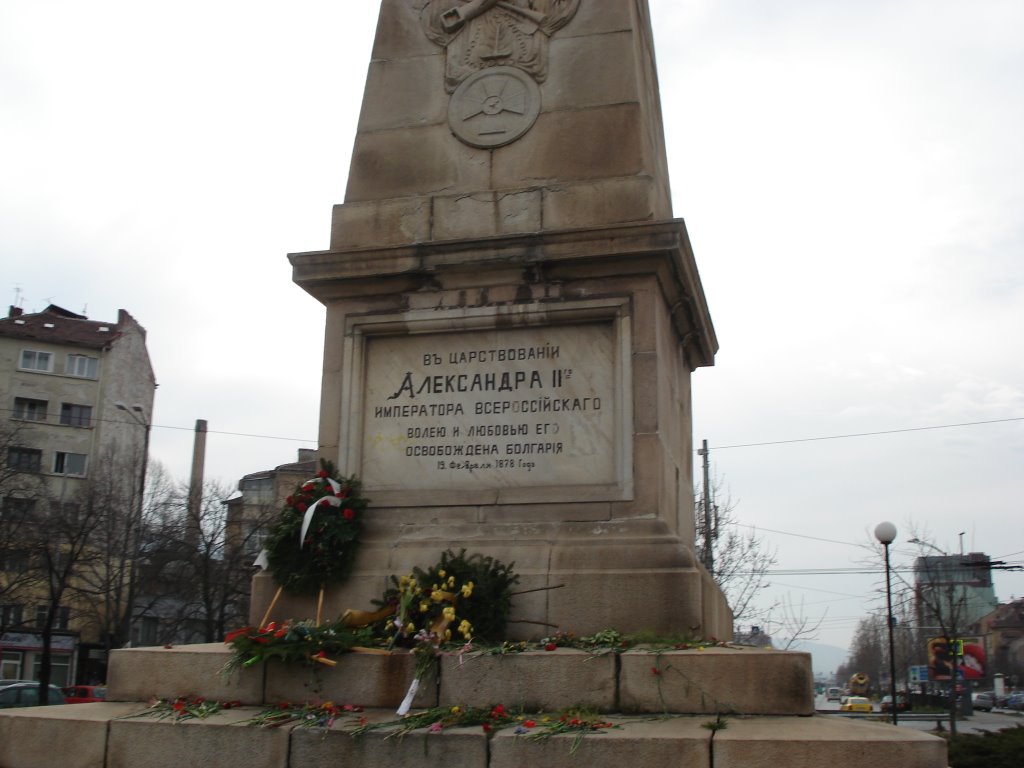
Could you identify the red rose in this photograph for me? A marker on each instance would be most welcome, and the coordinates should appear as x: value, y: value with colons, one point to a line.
x: 349, y: 514
x: 550, y: 647
x: 322, y: 473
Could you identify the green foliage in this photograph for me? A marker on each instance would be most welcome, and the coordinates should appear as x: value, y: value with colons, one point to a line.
x: 488, y: 606
x: 1002, y: 749
x: 303, y: 641
x: 326, y: 553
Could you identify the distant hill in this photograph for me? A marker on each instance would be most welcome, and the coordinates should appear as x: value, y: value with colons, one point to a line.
x: 824, y: 658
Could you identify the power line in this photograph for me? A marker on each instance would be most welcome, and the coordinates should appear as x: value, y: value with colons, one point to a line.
x: 868, y: 434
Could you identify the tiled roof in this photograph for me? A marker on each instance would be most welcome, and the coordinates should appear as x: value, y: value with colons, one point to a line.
x: 57, y: 325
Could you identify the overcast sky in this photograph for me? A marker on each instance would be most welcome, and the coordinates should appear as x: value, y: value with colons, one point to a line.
x: 850, y: 174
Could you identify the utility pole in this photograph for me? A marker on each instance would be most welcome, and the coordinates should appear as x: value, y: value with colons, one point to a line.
x: 707, y: 555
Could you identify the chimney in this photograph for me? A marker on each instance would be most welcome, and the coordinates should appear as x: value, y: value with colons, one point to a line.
x: 15, y: 311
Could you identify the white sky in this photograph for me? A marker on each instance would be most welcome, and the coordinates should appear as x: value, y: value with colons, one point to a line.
x: 850, y: 174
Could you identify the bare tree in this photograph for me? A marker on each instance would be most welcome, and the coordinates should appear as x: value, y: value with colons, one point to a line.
x: 741, y: 557
x: 20, y: 490
x: 197, y: 572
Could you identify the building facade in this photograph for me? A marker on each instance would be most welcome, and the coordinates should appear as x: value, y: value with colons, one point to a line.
x: 77, y: 397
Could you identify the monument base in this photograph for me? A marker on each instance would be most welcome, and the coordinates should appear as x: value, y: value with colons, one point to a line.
x: 720, y: 707
x: 598, y: 577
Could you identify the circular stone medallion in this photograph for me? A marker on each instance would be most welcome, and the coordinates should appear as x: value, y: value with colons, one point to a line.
x: 494, y: 107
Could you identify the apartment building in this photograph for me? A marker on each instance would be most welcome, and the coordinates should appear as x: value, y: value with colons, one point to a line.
x: 77, y: 398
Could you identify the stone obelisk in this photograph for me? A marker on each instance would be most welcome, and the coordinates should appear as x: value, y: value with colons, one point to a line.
x: 513, y: 316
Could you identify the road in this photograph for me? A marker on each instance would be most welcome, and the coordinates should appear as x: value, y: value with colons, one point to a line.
x: 976, y: 723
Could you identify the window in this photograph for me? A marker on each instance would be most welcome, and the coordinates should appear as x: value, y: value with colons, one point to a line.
x: 80, y: 365
x: 16, y: 509
x: 10, y: 615
x: 25, y: 459
x: 10, y: 665
x: 72, y: 415
x: 60, y: 620
x: 60, y: 668
x: 29, y: 409
x: 69, y: 463
x: 34, y: 360
x: 14, y: 561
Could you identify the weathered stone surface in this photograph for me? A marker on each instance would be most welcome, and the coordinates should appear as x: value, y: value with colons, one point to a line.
x: 724, y: 680
x: 71, y: 736
x: 533, y: 681
x: 221, y: 739
x: 410, y: 84
x: 813, y: 742
x: 462, y: 747
x: 675, y: 742
x: 362, y: 679
x: 381, y: 222
x: 137, y: 674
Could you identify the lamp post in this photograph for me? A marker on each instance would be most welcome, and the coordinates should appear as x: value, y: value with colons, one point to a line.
x: 886, y: 534
x: 138, y: 415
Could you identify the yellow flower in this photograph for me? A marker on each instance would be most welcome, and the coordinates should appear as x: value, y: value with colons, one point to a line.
x: 456, y: 710
x: 466, y: 629
x: 467, y: 589
x: 449, y: 613
x: 451, y: 581
x: 410, y: 628
x: 424, y: 606
x: 437, y: 595
x: 447, y: 634
x: 441, y: 574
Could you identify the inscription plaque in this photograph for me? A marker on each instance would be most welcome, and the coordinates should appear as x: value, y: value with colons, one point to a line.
x: 489, y: 409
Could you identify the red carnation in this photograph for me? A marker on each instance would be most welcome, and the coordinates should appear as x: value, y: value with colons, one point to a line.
x: 322, y: 473
x: 349, y: 514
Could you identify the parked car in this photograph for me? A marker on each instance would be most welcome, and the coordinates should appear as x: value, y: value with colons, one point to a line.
x: 83, y: 694
x: 1015, y: 701
x: 856, y: 704
x: 25, y: 693
x: 902, y: 704
x: 983, y: 700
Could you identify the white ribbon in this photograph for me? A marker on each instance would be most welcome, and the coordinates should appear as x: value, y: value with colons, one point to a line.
x: 263, y: 561
x: 332, y: 501
x: 406, y: 705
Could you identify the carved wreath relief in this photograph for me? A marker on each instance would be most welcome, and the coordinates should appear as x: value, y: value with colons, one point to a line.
x: 497, y: 54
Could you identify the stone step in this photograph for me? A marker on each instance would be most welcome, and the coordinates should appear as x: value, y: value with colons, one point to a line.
x: 99, y: 736
x: 698, y: 681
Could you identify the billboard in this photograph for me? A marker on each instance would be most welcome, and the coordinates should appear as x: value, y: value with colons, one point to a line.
x: 968, y: 651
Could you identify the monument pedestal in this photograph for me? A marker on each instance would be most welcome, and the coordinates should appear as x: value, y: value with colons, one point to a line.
x: 661, y: 704
x: 526, y: 397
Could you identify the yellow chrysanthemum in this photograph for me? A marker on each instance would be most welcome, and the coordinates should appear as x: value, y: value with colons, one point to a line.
x: 467, y: 589
x: 449, y: 613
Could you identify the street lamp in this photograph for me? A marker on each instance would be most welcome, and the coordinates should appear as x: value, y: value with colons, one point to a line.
x: 138, y: 415
x: 886, y: 534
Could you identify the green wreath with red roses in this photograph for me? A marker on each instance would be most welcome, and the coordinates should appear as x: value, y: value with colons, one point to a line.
x: 315, y: 540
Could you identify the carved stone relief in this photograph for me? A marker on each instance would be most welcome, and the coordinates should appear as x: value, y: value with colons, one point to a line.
x: 497, y: 52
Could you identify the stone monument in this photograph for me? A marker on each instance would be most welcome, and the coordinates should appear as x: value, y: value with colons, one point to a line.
x: 513, y: 316
x: 512, y: 320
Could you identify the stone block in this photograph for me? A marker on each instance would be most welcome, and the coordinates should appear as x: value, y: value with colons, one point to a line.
x: 620, y: 200
x: 571, y: 146
x: 138, y: 674
x: 380, y: 223
x: 73, y: 735
x: 533, y: 681
x: 674, y: 742
x: 461, y: 747
x: 590, y: 71
x: 362, y: 679
x: 415, y: 88
x: 487, y: 214
x: 631, y: 600
x: 598, y: 17
x: 221, y: 739
x: 812, y: 742
x: 725, y: 680
x: 399, y: 32
x: 410, y: 161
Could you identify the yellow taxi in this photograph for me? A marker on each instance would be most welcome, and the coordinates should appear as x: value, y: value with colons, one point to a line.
x: 856, y: 704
